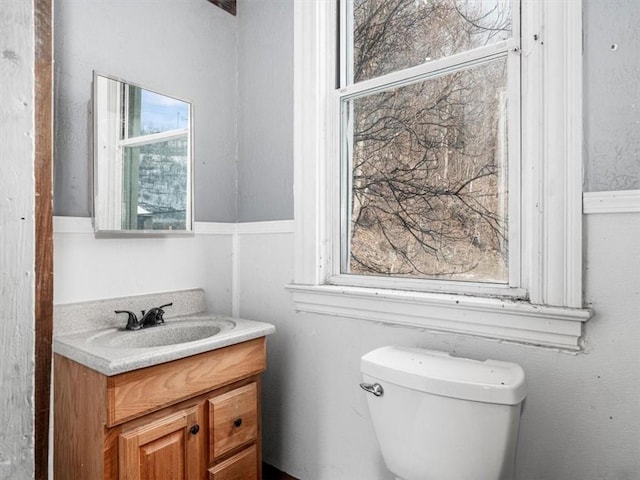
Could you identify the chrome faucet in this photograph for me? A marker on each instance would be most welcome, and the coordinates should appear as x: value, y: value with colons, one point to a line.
x: 150, y: 318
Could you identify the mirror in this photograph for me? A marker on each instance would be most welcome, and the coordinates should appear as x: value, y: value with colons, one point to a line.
x: 143, y: 162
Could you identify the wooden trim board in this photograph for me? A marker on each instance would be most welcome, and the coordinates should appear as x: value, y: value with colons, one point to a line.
x: 43, y: 172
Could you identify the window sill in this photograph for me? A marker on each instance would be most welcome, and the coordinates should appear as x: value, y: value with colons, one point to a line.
x: 494, y: 318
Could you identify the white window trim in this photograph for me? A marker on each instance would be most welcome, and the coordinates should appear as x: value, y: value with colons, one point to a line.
x: 616, y: 201
x: 552, y: 191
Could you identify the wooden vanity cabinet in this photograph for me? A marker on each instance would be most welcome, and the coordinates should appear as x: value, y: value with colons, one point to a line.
x: 193, y: 418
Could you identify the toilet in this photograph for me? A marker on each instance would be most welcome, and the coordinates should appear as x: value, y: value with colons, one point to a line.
x: 440, y: 417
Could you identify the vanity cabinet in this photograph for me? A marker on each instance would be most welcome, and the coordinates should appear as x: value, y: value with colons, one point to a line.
x: 193, y: 418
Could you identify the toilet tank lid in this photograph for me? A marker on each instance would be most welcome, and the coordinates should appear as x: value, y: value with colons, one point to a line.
x: 439, y: 373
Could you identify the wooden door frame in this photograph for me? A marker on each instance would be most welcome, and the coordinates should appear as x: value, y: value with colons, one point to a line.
x: 43, y: 172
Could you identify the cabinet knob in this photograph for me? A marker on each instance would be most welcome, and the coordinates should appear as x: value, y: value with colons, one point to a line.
x: 195, y: 429
x: 237, y: 422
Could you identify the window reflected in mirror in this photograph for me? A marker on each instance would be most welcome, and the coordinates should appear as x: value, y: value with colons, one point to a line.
x: 142, y: 160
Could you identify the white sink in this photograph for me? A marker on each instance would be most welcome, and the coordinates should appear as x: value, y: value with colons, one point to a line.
x: 164, y: 334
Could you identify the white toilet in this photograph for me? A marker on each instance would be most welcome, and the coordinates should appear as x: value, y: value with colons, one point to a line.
x: 439, y: 417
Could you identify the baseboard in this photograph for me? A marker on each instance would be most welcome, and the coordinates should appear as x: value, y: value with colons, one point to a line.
x: 272, y: 473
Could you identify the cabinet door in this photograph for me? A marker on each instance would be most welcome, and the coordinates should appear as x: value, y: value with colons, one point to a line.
x: 169, y: 448
x: 233, y: 418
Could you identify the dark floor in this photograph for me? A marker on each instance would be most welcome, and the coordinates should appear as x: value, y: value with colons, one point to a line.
x: 272, y: 473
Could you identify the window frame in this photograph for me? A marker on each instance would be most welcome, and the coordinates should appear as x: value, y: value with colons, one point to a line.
x: 550, y: 312
x: 348, y: 90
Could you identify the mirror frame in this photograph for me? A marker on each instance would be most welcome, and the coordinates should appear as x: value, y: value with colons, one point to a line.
x: 190, y: 215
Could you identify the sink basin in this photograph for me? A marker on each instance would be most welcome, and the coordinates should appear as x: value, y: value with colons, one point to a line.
x: 161, y: 335
x: 111, y: 351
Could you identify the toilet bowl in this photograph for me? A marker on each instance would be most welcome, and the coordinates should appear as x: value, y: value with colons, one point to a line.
x: 439, y: 417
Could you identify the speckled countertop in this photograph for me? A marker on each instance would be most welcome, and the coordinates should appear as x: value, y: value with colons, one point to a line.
x: 82, y: 327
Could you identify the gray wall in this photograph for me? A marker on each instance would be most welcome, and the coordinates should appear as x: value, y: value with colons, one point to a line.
x: 612, y: 92
x: 265, y: 70
x: 265, y: 110
x: 185, y: 48
x: 240, y: 79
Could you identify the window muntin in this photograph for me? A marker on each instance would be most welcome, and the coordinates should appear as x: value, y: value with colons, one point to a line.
x: 430, y: 154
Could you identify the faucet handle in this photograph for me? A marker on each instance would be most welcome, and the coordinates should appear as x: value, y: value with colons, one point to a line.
x: 132, y: 320
x: 160, y: 312
x: 153, y: 316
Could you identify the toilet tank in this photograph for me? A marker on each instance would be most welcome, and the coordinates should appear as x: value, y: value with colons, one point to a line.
x: 442, y: 417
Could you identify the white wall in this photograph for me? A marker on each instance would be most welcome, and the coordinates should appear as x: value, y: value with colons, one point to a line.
x: 90, y: 268
x: 581, y: 420
x: 17, y: 227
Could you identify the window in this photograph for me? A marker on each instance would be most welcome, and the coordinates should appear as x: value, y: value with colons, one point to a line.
x: 439, y: 185
x: 429, y: 97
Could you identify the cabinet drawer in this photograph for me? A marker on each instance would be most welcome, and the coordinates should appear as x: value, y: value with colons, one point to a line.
x: 233, y: 420
x: 242, y: 466
x: 135, y: 393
